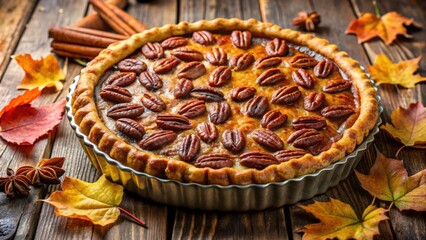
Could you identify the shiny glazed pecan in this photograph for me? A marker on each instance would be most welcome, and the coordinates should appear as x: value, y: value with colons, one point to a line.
x: 192, y: 108
x: 115, y: 94
x: 304, y: 138
x: 130, y: 128
x: 182, y: 88
x: 267, y: 62
x: 122, y: 79
x: 314, y: 101
x: 302, y: 78
x: 240, y: 94
x: 131, y: 65
x: 270, y: 77
x: 150, y: 81
x: 256, y: 106
x: 276, y: 47
x: 315, y: 122
x: 303, y: 61
x: 173, y: 122
x: 192, y: 70
x: 125, y: 110
x: 257, y: 159
x: 187, y: 54
x: 165, y: 65
x: 174, y: 42
x: 241, y: 61
x: 273, y: 119
x: 268, y: 139
x: 220, y: 112
x: 220, y: 76
x: 233, y: 140
x: 217, y: 57
x: 241, y: 39
x: 207, y: 94
x: 153, y: 102
x: 286, y: 155
x: 203, y: 37
x: 337, y: 85
x: 323, y: 68
x: 214, y: 160
x: 152, y: 51
x: 207, y: 132
x: 157, y: 139
x: 336, y: 111
x: 286, y: 95
x: 189, y: 148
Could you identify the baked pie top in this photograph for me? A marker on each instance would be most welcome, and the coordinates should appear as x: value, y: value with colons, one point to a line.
x: 225, y: 102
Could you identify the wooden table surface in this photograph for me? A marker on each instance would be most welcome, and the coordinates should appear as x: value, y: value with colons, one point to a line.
x: 24, y: 26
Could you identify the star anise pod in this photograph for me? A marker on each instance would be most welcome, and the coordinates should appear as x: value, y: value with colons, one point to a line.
x: 14, y: 184
x: 47, y: 171
x: 307, y: 21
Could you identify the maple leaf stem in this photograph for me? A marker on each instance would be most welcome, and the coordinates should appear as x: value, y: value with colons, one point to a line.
x: 376, y: 8
x: 390, y: 206
x: 372, y: 202
x: 132, y: 217
x: 399, y: 150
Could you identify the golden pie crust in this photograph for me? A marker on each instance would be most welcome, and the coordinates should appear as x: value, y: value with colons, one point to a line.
x: 86, y: 115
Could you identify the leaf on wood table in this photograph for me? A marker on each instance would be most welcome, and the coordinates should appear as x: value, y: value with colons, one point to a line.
x: 23, y: 125
x: 26, y: 98
x: 41, y: 73
x: 402, y: 73
x: 386, y: 27
x: 339, y: 220
x: 388, y: 181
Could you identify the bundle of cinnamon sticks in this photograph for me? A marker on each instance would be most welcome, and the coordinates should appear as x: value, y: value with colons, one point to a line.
x: 88, y: 37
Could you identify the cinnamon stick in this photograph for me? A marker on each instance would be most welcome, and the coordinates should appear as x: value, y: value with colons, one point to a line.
x: 72, y: 55
x: 95, y: 32
x: 71, y: 36
x: 131, y: 21
x: 111, y: 19
x: 94, y: 21
x: 74, y: 48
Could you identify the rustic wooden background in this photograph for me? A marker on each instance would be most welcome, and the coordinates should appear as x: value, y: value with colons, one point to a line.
x: 24, y: 26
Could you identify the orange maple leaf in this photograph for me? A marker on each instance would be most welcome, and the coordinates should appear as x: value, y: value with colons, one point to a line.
x: 402, y: 73
x: 41, y: 73
x: 26, y: 98
x: 388, y: 181
x: 339, y: 220
x: 386, y: 27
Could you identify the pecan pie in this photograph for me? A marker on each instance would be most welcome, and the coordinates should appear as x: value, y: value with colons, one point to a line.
x: 225, y: 102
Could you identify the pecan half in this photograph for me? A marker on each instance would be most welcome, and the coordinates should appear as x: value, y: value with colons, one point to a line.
x: 182, y: 88
x: 153, y: 102
x: 131, y: 65
x: 207, y: 132
x: 303, y: 61
x: 207, y: 94
x: 192, y: 108
x: 115, y: 94
x: 220, y: 76
x: 286, y: 95
x: 125, y: 110
x: 214, y: 160
x: 256, y: 106
x: 242, y: 61
x: 173, y: 122
x: 240, y: 94
x: 157, y: 139
x: 270, y: 77
x: 189, y: 148
x: 241, y: 39
x: 150, y: 80
x: 302, y: 78
x: 268, y: 139
x: 273, y: 119
x: 323, y: 68
x: 220, y: 112
x: 314, y: 101
x: 337, y: 85
x: 217, y: 57
x: 192, y: 70
x: 257, y: 159
x: 276, y: 47
x: 130, y: 128
x: 304, y: 138
x: 203, y: 37
x: 286, y: 155
x: 267, y: 62
x: 174, y: 42
x: 315, y: 122
x: 336, y: 111
x: 187, y: 54
x: 233, y: 140
x: 122, y: 79
x: 165, y: 65
x: 152, y: 51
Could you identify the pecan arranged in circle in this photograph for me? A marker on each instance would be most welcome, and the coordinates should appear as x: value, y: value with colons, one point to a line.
x: 130, y: 128
x: 189, y: 148
x: 192, y: 108
x: 268, y: 139
x: 153, y: 102
x: 240, y: 94
x: 270, y: 77
x: 304, y: 138
x: 302, y: 78
x: 192, y: 70
x: 336, y: 111
x: 207, y: 132
x: 233, y: 140
x: 241, y: 39
x: 165, y: 65
x: 303, y: 61
x: 257, y: 159
x: 286, y: 95
x: 323, y: 68
x: 214, y: 160
x: 131, y: 65
x: 122, y: 79
x: 273, y: 119
x: 207, y: 94
x: 203, y: 37
x: 125, y: 110
x: 256, y: 106
x: 217, y: 57
x: 220, y: 76
x: 315, y: 122
x: 188, y: 54
x: 242, y: 61
x: 286, y: 155
x: 182, y: 88
x: 337, y: 85
x: 174, y: 42
x: 157, y: 139
x: 173, y: 122
x: 220, y: 112
x: 150, y: 81
x: 276, y: 47
x: 152, y: 51
x: 267, y: 62
x: 115, y: 94
x: 314, y: 101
